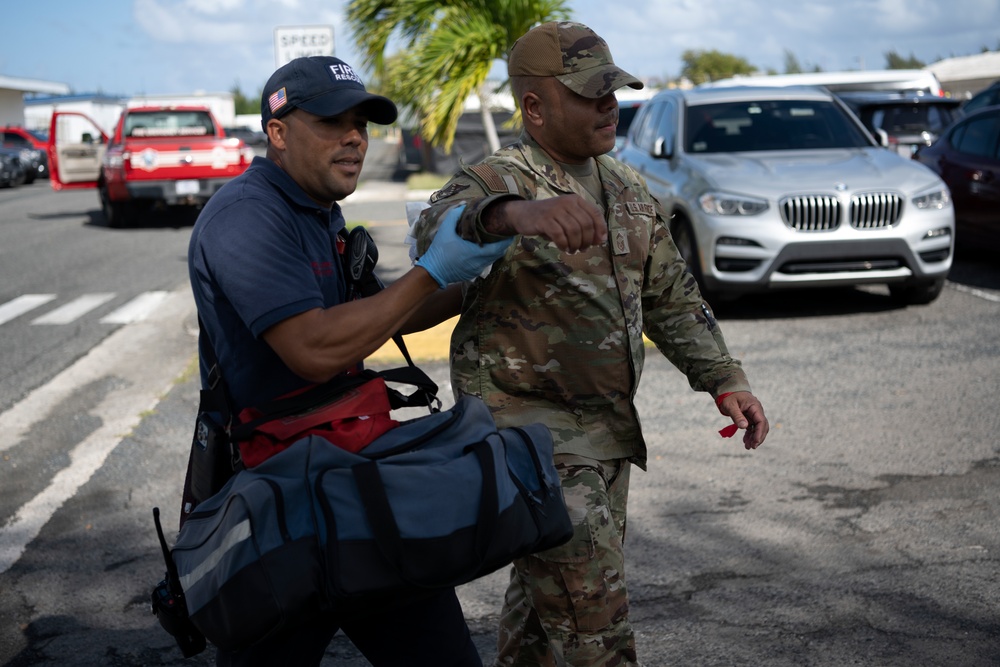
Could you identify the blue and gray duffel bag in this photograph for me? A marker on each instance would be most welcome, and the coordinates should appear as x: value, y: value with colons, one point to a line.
x: 436, y: 502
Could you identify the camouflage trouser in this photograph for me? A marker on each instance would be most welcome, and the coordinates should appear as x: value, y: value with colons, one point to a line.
x: 569, y: 605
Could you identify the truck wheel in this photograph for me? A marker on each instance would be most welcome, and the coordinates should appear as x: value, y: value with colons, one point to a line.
x: 917, y: 294
x: 118, y: 214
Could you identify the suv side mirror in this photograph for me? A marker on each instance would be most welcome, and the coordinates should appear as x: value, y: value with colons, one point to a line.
x: 662, y: 149
x: 883, y: 137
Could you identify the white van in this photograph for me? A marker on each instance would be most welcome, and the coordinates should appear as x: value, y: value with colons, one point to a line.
x: 897, y: 80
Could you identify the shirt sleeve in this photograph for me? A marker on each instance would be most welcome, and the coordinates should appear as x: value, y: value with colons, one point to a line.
x: 260, y: 264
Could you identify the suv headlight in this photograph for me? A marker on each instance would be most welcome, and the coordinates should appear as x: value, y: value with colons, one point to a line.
x: 937, y: 197
x: 722, y: 203
x: 113, y: 161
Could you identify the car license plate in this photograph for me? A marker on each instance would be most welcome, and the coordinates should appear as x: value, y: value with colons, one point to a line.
x: 187, y: 187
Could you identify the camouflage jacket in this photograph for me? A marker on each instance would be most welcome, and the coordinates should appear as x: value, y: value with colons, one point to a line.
x: 558, y: 338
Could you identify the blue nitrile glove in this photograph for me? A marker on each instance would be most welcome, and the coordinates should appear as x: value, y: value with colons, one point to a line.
x: 452, y: 259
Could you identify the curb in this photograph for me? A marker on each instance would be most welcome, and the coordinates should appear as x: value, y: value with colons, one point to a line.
x: 430, y: 345
x: 378, y: 191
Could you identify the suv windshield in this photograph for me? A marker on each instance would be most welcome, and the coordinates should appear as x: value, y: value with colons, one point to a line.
x: 771, y: 125
x: 168, y: 124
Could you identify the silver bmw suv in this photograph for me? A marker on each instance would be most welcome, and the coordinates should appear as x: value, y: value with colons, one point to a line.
x: 784, y: 187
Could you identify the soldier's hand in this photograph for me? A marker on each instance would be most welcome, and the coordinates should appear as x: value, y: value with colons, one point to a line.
x: 569, y: 221
x: 747, y: 413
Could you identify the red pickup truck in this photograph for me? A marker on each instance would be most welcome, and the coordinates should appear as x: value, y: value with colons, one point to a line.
x: 156, y: 156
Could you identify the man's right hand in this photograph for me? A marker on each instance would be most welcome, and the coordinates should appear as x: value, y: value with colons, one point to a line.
x: 569, y: 221
x: 452, y: 259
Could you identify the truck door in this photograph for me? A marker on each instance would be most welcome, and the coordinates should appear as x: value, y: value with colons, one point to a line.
x: 76, y: 150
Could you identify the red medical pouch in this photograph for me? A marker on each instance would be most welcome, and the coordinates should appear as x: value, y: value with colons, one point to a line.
x: 349, y: 420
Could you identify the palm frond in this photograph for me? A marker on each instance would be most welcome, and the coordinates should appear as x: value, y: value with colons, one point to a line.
x: 446, y: 49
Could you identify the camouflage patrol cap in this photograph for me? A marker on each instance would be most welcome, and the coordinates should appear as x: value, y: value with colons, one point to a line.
x: 572, y: 53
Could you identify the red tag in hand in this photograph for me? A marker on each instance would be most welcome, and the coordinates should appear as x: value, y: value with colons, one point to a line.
x: 729, y: 431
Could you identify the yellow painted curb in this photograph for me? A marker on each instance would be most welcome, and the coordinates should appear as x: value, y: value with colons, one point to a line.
x: 429, y: 345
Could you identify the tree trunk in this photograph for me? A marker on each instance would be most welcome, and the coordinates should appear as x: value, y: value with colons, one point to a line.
x: 489, y: 127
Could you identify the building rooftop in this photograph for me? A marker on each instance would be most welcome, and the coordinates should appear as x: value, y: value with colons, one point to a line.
x: 980, y: 66
x: 33, y: 86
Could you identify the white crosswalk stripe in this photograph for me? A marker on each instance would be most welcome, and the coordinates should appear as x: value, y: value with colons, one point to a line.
x: 137, y: 309
x: 23, y: 304
x: 74, y: 309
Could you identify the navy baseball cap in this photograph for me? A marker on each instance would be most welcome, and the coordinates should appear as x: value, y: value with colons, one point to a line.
x: 322, y: 85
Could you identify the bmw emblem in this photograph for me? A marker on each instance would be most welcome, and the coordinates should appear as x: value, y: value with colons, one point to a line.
x: 840, y: 187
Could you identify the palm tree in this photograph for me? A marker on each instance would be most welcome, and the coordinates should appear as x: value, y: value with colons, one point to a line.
x: 446, y: 51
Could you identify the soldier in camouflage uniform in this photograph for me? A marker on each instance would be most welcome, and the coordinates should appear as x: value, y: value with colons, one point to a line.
x: 554, y: 333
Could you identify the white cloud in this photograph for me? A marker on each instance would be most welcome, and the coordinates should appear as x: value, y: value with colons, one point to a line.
x: 647, y: 37
x: 214, y: 44
x: 213, y: 7
x: 190, y: 22
x: 211, y: 22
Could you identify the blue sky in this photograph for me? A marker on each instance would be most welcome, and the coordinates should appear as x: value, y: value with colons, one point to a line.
x: 132, y: 47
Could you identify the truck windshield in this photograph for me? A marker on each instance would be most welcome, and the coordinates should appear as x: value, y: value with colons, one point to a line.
x: 769, y: 125
x: 168, y: 123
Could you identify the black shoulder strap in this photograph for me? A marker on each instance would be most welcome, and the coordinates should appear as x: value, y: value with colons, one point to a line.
x: 215, y: 398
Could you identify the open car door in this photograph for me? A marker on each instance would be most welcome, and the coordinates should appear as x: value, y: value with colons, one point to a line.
x: 76, y: 150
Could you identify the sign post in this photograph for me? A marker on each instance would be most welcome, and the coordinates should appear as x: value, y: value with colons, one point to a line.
x: 291, y: 42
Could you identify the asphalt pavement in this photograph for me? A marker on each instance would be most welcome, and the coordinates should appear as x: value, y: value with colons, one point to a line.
x: 863, y: 532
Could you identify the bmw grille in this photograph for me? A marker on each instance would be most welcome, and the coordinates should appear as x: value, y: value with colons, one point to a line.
x: 821, y: 213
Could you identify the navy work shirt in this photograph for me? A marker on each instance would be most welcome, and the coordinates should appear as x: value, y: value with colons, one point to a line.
x: 260, y: 252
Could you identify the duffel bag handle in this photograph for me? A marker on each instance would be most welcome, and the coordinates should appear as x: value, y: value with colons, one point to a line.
x: 386, y: 531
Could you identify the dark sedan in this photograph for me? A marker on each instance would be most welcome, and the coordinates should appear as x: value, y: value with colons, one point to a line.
x: 984, y: 98
x: 33, y: 160
x: 250, y: 136
x: 33, y: 154
x: 967, y: 157
x: 11, y: 169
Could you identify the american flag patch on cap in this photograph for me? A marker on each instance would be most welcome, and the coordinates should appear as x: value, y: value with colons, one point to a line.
x: 277, y: 100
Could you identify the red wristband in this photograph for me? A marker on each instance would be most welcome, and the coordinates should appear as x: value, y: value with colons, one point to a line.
x: 718, y: 401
